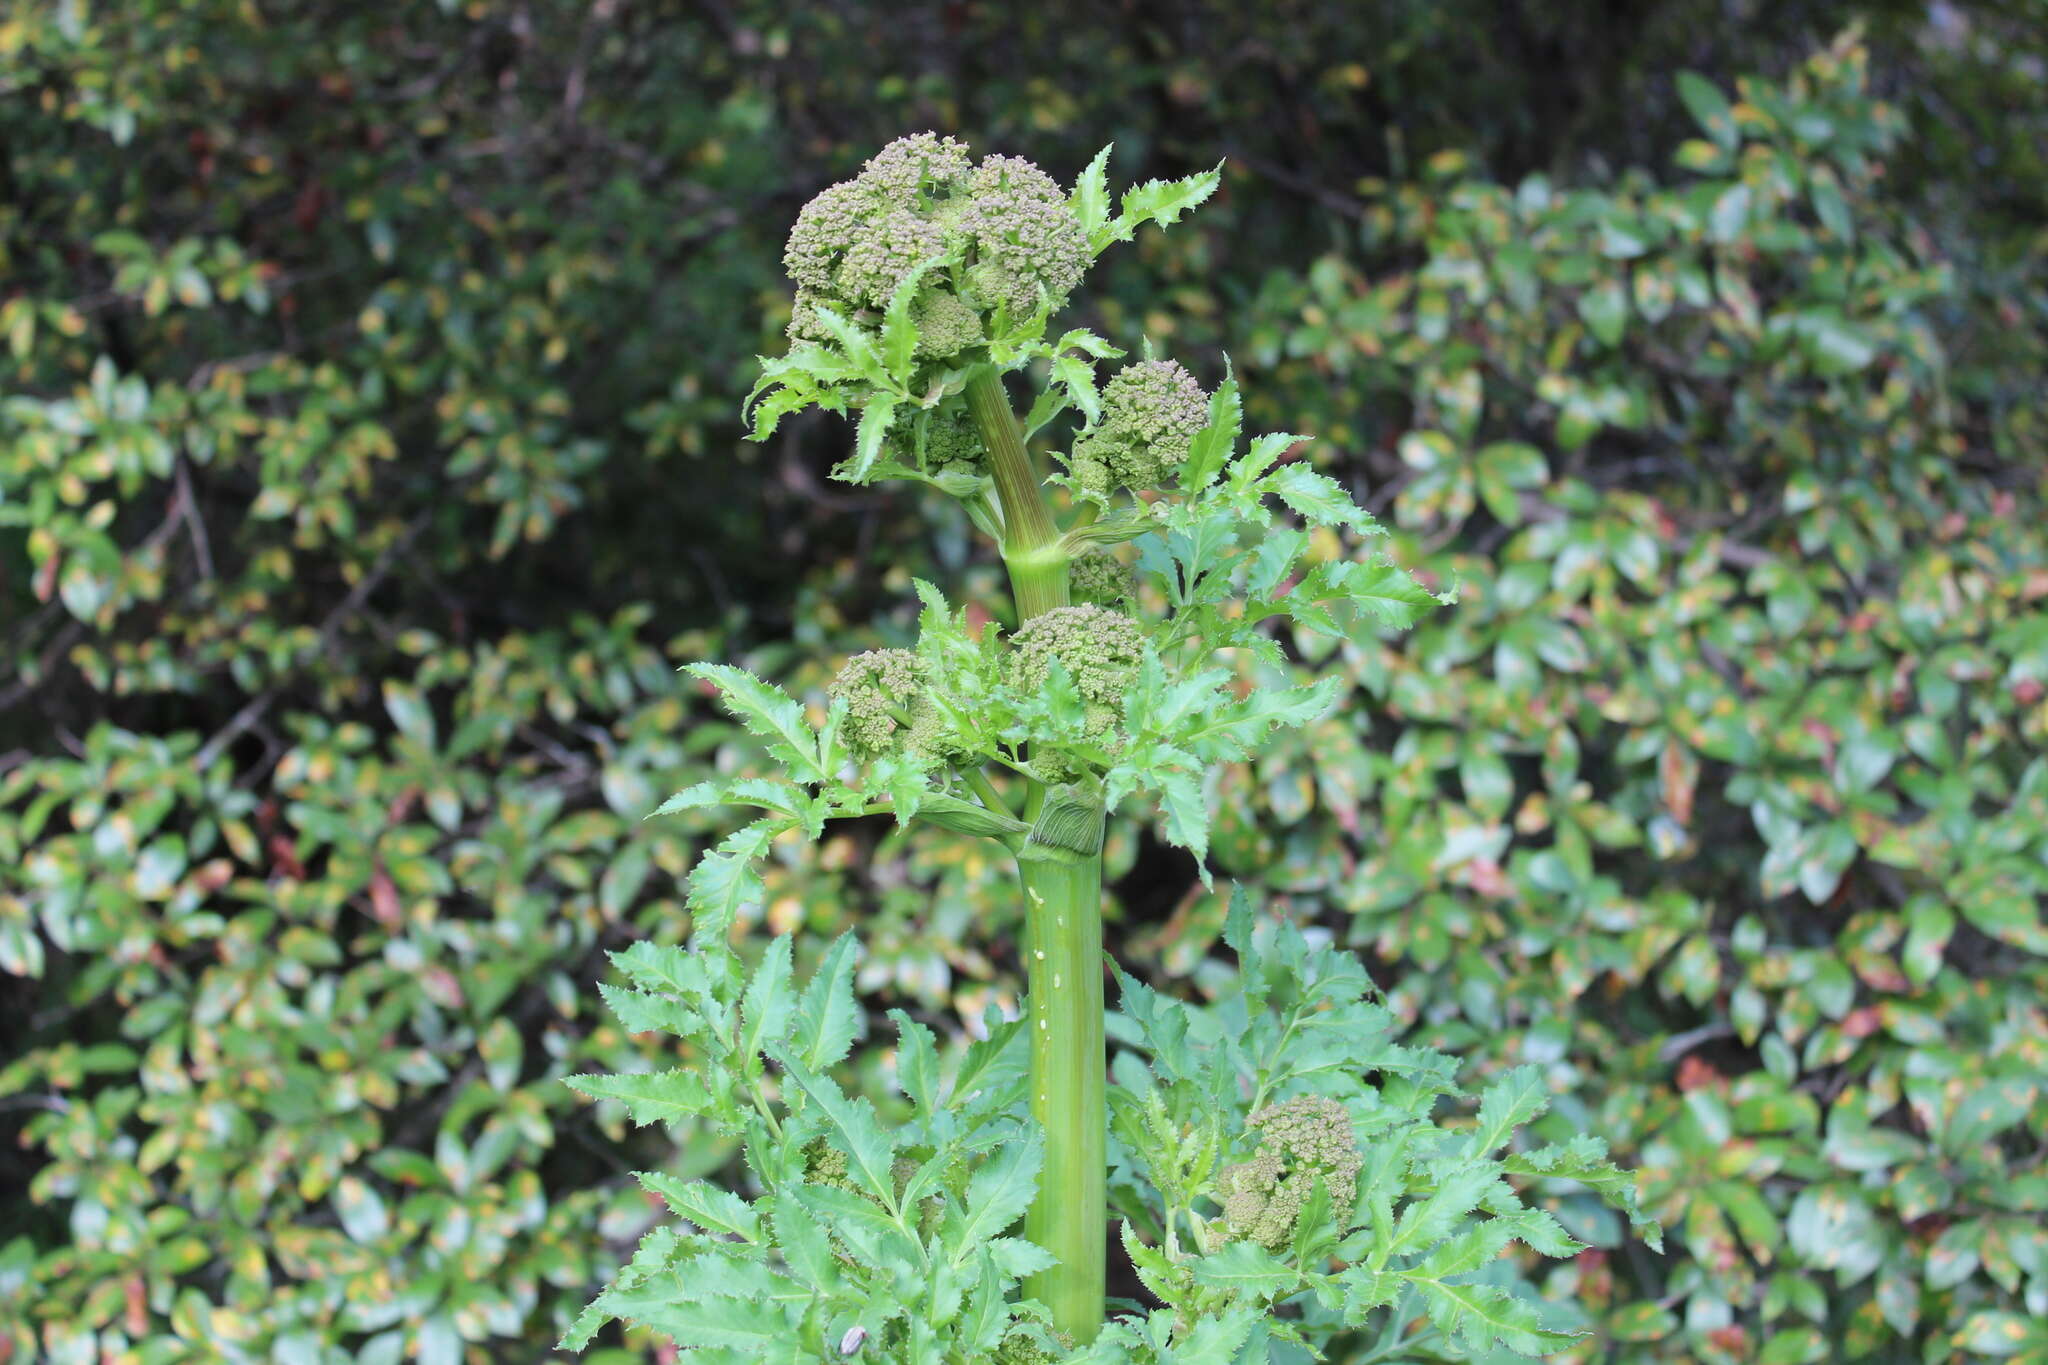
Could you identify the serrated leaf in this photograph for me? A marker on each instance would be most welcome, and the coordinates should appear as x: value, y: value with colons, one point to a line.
x: 1213, y: 444
x: 1247, y: 1268
x: 1483, y: 1316
x: 803, y: 1244
x: 1584, y: 1159
x: 704, y: 1204
x: 1317, y: 498
x: 859, y: 1133
x: 987, y: 1317
x: 917, y: 1062
x: 856, y: 345
x: 745, y: 791
x: 899, y: 332
x: 639, y: 1012
x: 760, y: 1330
x: 1471, y: 1249
x: 868, y: 1231
x: 1187, y: 814
x: 875, y: 417
x: 1216, y: 1340
x: 650, y: 1097
x: 765, y: 1008
x: 724, y: 881
x: 1090, y: 199
x: 767, y: 711
x: 1424, y: 1222
x: 999, y: 1192
x: 1239, y: 933
x: 1383, y: 591
x: 1509, y: 1102
x: 1157, y: 201
x: 1077, y: 377
x: 1155, y: 1271
x: 828, y: 1017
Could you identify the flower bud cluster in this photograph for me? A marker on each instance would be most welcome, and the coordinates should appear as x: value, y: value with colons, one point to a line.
x: 1301, y: 1141
x: 1005, y: 224
x: 1151, y: 413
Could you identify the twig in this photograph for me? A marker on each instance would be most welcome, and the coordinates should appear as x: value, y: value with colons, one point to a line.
x: 1678, y: 1044
x: 194, y: 523
x: 257, y: 706
x: 55, y: 650
x: 1334, y: 200
x: 250, y: 713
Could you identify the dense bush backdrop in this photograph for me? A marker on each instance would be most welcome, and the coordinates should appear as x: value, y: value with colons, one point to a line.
x: 369, y: 460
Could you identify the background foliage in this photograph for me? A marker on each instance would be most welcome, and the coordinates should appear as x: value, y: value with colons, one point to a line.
x: 369, y: 459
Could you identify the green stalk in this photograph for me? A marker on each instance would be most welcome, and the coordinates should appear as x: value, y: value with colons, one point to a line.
x: 1064, y: 977
x: 1031, y: 543
x: 1063, y: 928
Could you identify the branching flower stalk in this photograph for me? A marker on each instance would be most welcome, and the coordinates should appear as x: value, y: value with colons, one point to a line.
x: 1136, y: 659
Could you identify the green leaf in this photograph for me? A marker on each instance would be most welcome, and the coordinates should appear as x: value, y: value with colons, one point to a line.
x: 361, y: 1210
x: 761, y: 1331
x: 1385, y: 593
x: 1090, y: 199
x: 765, y: 1009
x: 724, y: 881
x: 1605, y: 310
x: 857, y: 346
x: 1730, y: 214
x: 999, y: 1191
x: 410, y: 713
x: 1077, y: 377
x: 769, y: 712
x: 651, y: 1097
x: 875, y: 417
x: 1426, y: 1221
x: 1240, y: 934
x: 803, y: 1243
x: 1187, y: 813
x: 917, y: 1062
x: 828, y: 1017
x: 1470, y: 1250
x: 1508, y: 1103
x: 1584, y: 1159
x: 1213, y: 444
x: 1156, y: 201
x: 1484, y: 1316
x: 861, y: 1137
x: 1710, y: 108
x: 899, y: 332
x: 1642, y: 1322
x: 1247, y: 1268
x: 639, y: 1012
x: 745, y: 791
x: 704, y: 1204
x: 1836, y: 345
x: 1993, y: 1332
x: 1503, y: 469
x: 1216, y: 1340
x: 1317, y: 498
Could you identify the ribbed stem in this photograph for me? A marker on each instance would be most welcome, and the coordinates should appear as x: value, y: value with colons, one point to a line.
x: 1063, y: 935
x: 1064, y: 976
x: 1031, y: 543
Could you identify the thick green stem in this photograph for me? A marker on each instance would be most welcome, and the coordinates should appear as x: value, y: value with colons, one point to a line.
x: 1064, y: 976
x: 1063, y: 933
x: 1031, y: 543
